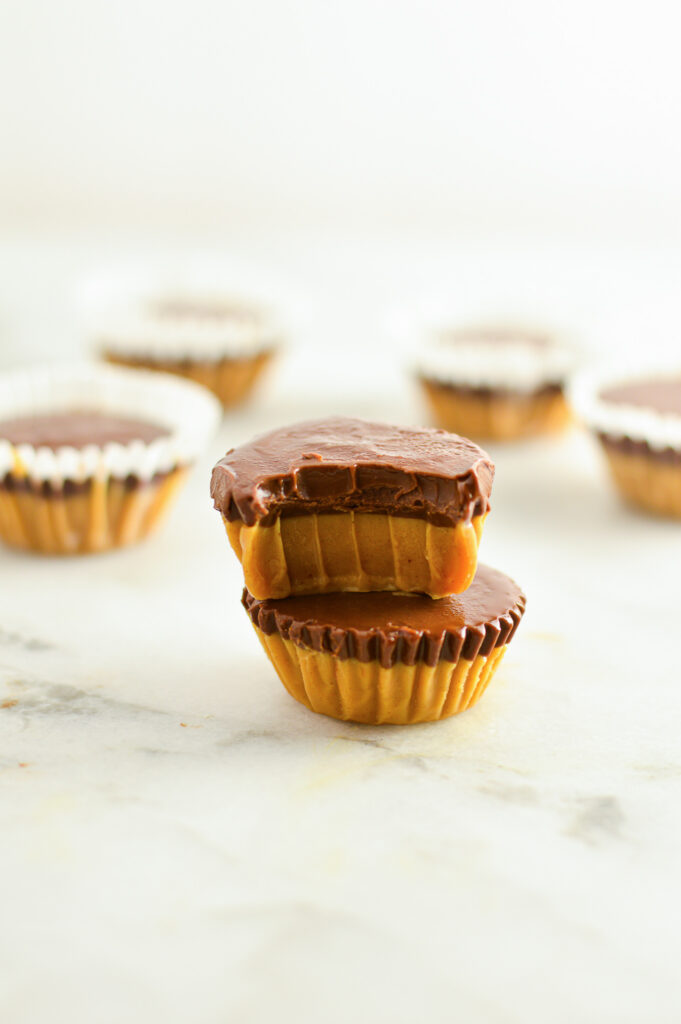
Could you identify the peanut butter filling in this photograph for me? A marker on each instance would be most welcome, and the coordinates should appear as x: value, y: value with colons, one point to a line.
x: 359, y: 551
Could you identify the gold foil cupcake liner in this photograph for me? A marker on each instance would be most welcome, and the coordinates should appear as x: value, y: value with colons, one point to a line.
x: 366, y: 692
x: 356, y: 551
x: 497, y: 417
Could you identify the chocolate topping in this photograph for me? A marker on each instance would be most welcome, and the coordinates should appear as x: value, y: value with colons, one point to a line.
x: 78, y: 429
x: 661, y: 394
x: 343, y: 464
x: 392, y: 628
x: 629, y: 446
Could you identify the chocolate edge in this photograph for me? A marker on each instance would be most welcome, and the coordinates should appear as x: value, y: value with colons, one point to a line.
x: 408, y: 647
x: 472, y: 497
x: 68, y: 488
x: 631, y: 446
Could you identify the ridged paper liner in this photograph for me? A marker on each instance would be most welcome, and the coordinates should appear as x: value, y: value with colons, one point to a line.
x: 73, y: 501
x: 465, y: 357
x: 366, y: 692
x: 105, y: 515
x: 186, y: 315
x: 659, y: 431
x: 647, y: 482
x: 389, y: 647
x: 231, y: 379
x: 497, y: 417
x: 190, y: 414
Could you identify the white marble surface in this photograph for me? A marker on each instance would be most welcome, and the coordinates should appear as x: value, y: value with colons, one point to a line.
x: 183, y: 842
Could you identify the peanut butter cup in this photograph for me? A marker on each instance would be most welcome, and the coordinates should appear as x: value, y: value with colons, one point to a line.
x: 344, y: 504
x: 638, y: 423
x: 91, y: 457
x: 496, y: 383
x: 390, y: 658
x: 221, y: 342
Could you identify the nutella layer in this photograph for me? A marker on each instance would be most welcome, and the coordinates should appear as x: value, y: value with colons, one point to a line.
x: 391, y: 628
x: 78, y: 429
x: 340, y: 465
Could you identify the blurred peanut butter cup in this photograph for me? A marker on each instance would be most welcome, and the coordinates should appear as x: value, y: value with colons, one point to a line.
x: 221, y: 341
x: 637, y: 420
x: 496, y: 383
x: 91, y: 457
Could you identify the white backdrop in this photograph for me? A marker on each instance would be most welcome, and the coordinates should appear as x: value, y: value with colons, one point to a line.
x: 473, y: 116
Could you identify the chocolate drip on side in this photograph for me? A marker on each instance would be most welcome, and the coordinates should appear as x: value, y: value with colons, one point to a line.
x: 392, y: 628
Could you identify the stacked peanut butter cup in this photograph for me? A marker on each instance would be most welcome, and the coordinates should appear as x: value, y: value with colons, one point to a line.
x: 359, y: 545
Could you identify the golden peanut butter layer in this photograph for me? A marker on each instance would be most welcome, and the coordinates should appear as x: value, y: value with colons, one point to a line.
x: 366, y: 692
x: 230, y: 379
x: 97, y: 516
x: 496, y: 415
x: 355, y: 551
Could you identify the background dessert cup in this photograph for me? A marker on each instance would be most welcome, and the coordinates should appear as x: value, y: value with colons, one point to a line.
x: 220, y: 340
x: 344, y: 504
x: 91, y: 456
x: 636, y: 417
x: 496, y: 383
x: 390, y: 658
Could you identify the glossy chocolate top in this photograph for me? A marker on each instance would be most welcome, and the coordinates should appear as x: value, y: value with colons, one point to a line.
x: 342, y: 464
x: 661, y: 394
x: 394, y: 628
x: 78, y: 429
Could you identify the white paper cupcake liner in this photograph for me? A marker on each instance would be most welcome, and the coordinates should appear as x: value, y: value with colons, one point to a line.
x: 120, y: 313
x: 189, y: 412
x: 449, y: 356
x: 617, y: 419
